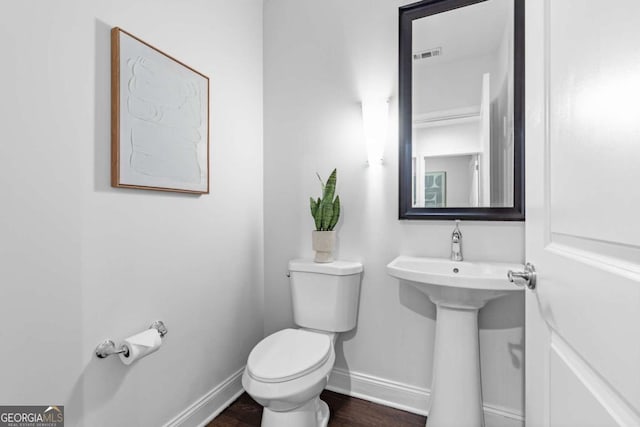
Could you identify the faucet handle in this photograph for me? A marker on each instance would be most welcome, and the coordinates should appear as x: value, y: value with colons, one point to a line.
x: 456, y: 243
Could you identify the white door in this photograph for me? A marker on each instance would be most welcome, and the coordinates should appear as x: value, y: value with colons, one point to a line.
x: 583, y: 212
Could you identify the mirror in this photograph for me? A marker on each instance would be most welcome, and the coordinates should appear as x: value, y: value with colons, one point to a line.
x: 461, y: 100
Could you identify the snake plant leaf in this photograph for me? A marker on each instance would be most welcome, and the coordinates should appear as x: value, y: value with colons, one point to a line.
x: 336, y: 213
x: 330, y: 187
x: 314, y: 207
x: 317, y: 218
x: 321, y: 183
x: 327, y: 214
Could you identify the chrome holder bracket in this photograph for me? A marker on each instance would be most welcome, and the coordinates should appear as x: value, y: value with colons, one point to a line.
x: 160, y: 327
x: 108, y: 347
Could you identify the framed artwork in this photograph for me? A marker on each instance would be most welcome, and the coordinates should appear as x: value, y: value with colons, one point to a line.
x: 159, y: 119
x: 435, y: 189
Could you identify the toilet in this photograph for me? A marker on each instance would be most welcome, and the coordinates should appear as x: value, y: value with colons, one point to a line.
x: 287, y: 371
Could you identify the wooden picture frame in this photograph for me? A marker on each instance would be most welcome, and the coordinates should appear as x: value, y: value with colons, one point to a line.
x: 159, y: 119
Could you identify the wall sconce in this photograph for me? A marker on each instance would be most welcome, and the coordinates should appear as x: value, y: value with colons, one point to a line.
x: 375, y: 121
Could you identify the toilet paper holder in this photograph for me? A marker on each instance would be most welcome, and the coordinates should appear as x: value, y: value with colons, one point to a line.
x: 108, y: 347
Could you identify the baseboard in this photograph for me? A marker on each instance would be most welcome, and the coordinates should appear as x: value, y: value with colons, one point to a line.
x: 381, y: 391
x: 203, y: 410
x: 407, y: 397
x: 498, y: 416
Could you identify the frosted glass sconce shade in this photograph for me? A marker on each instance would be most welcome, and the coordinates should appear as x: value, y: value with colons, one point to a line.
x: 375, y: 120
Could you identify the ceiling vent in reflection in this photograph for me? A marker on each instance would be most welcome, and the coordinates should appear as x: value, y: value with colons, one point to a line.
x: 427, y: 54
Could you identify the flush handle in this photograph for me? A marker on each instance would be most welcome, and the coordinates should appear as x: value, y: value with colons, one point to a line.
x: 524, y: 278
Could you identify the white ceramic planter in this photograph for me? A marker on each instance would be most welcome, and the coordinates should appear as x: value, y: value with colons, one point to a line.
x: 323, y: 243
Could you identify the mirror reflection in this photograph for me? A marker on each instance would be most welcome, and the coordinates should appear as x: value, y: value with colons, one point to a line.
x: 462, y: 149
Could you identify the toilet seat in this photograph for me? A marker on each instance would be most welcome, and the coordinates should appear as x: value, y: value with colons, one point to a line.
x: 288, y: 354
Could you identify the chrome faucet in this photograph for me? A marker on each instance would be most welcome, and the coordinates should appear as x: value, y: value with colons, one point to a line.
x: 456, y: 243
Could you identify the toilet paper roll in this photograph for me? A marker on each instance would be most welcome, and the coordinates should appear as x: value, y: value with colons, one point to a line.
x: 140, y: 345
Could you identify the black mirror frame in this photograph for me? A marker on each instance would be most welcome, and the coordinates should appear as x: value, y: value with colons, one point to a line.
x: 421, y: 9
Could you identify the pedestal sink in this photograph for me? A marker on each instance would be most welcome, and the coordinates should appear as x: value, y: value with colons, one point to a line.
x: 459, y: 289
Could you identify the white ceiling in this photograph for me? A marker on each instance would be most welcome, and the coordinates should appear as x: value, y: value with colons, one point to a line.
x: 468, y: 31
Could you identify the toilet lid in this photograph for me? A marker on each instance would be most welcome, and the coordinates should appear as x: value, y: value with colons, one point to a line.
x: 287, y: 355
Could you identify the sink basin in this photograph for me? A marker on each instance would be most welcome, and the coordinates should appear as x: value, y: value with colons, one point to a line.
x: 459, y: 289
x: 459, y: 284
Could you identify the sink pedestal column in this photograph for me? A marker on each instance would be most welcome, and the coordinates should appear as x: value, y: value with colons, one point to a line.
x: 456, y: 393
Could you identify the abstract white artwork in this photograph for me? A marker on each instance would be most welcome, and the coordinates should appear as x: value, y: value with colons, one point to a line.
x: 160, y: 119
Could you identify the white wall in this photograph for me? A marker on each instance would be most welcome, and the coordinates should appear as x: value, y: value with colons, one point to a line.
x: 81, y: 261
x: 458, y: 178
x: 321, y: 59
x: 458, y: 138
x: 452, y: 84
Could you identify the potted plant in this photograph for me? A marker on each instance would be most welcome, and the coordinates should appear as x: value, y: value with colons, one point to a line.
x: 325, y: 212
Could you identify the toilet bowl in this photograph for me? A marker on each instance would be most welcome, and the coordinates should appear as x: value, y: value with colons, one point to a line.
x: 287, y: 371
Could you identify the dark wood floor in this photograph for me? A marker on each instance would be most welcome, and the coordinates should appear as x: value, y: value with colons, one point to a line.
x: 345, y: 412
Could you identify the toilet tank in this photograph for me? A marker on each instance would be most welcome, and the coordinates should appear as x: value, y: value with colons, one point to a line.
x: 325, y: 295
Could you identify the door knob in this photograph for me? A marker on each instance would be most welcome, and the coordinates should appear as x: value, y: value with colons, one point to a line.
x: 522, y: 278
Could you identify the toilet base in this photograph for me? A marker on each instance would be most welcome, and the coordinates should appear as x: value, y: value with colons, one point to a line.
x: 314, y: 413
